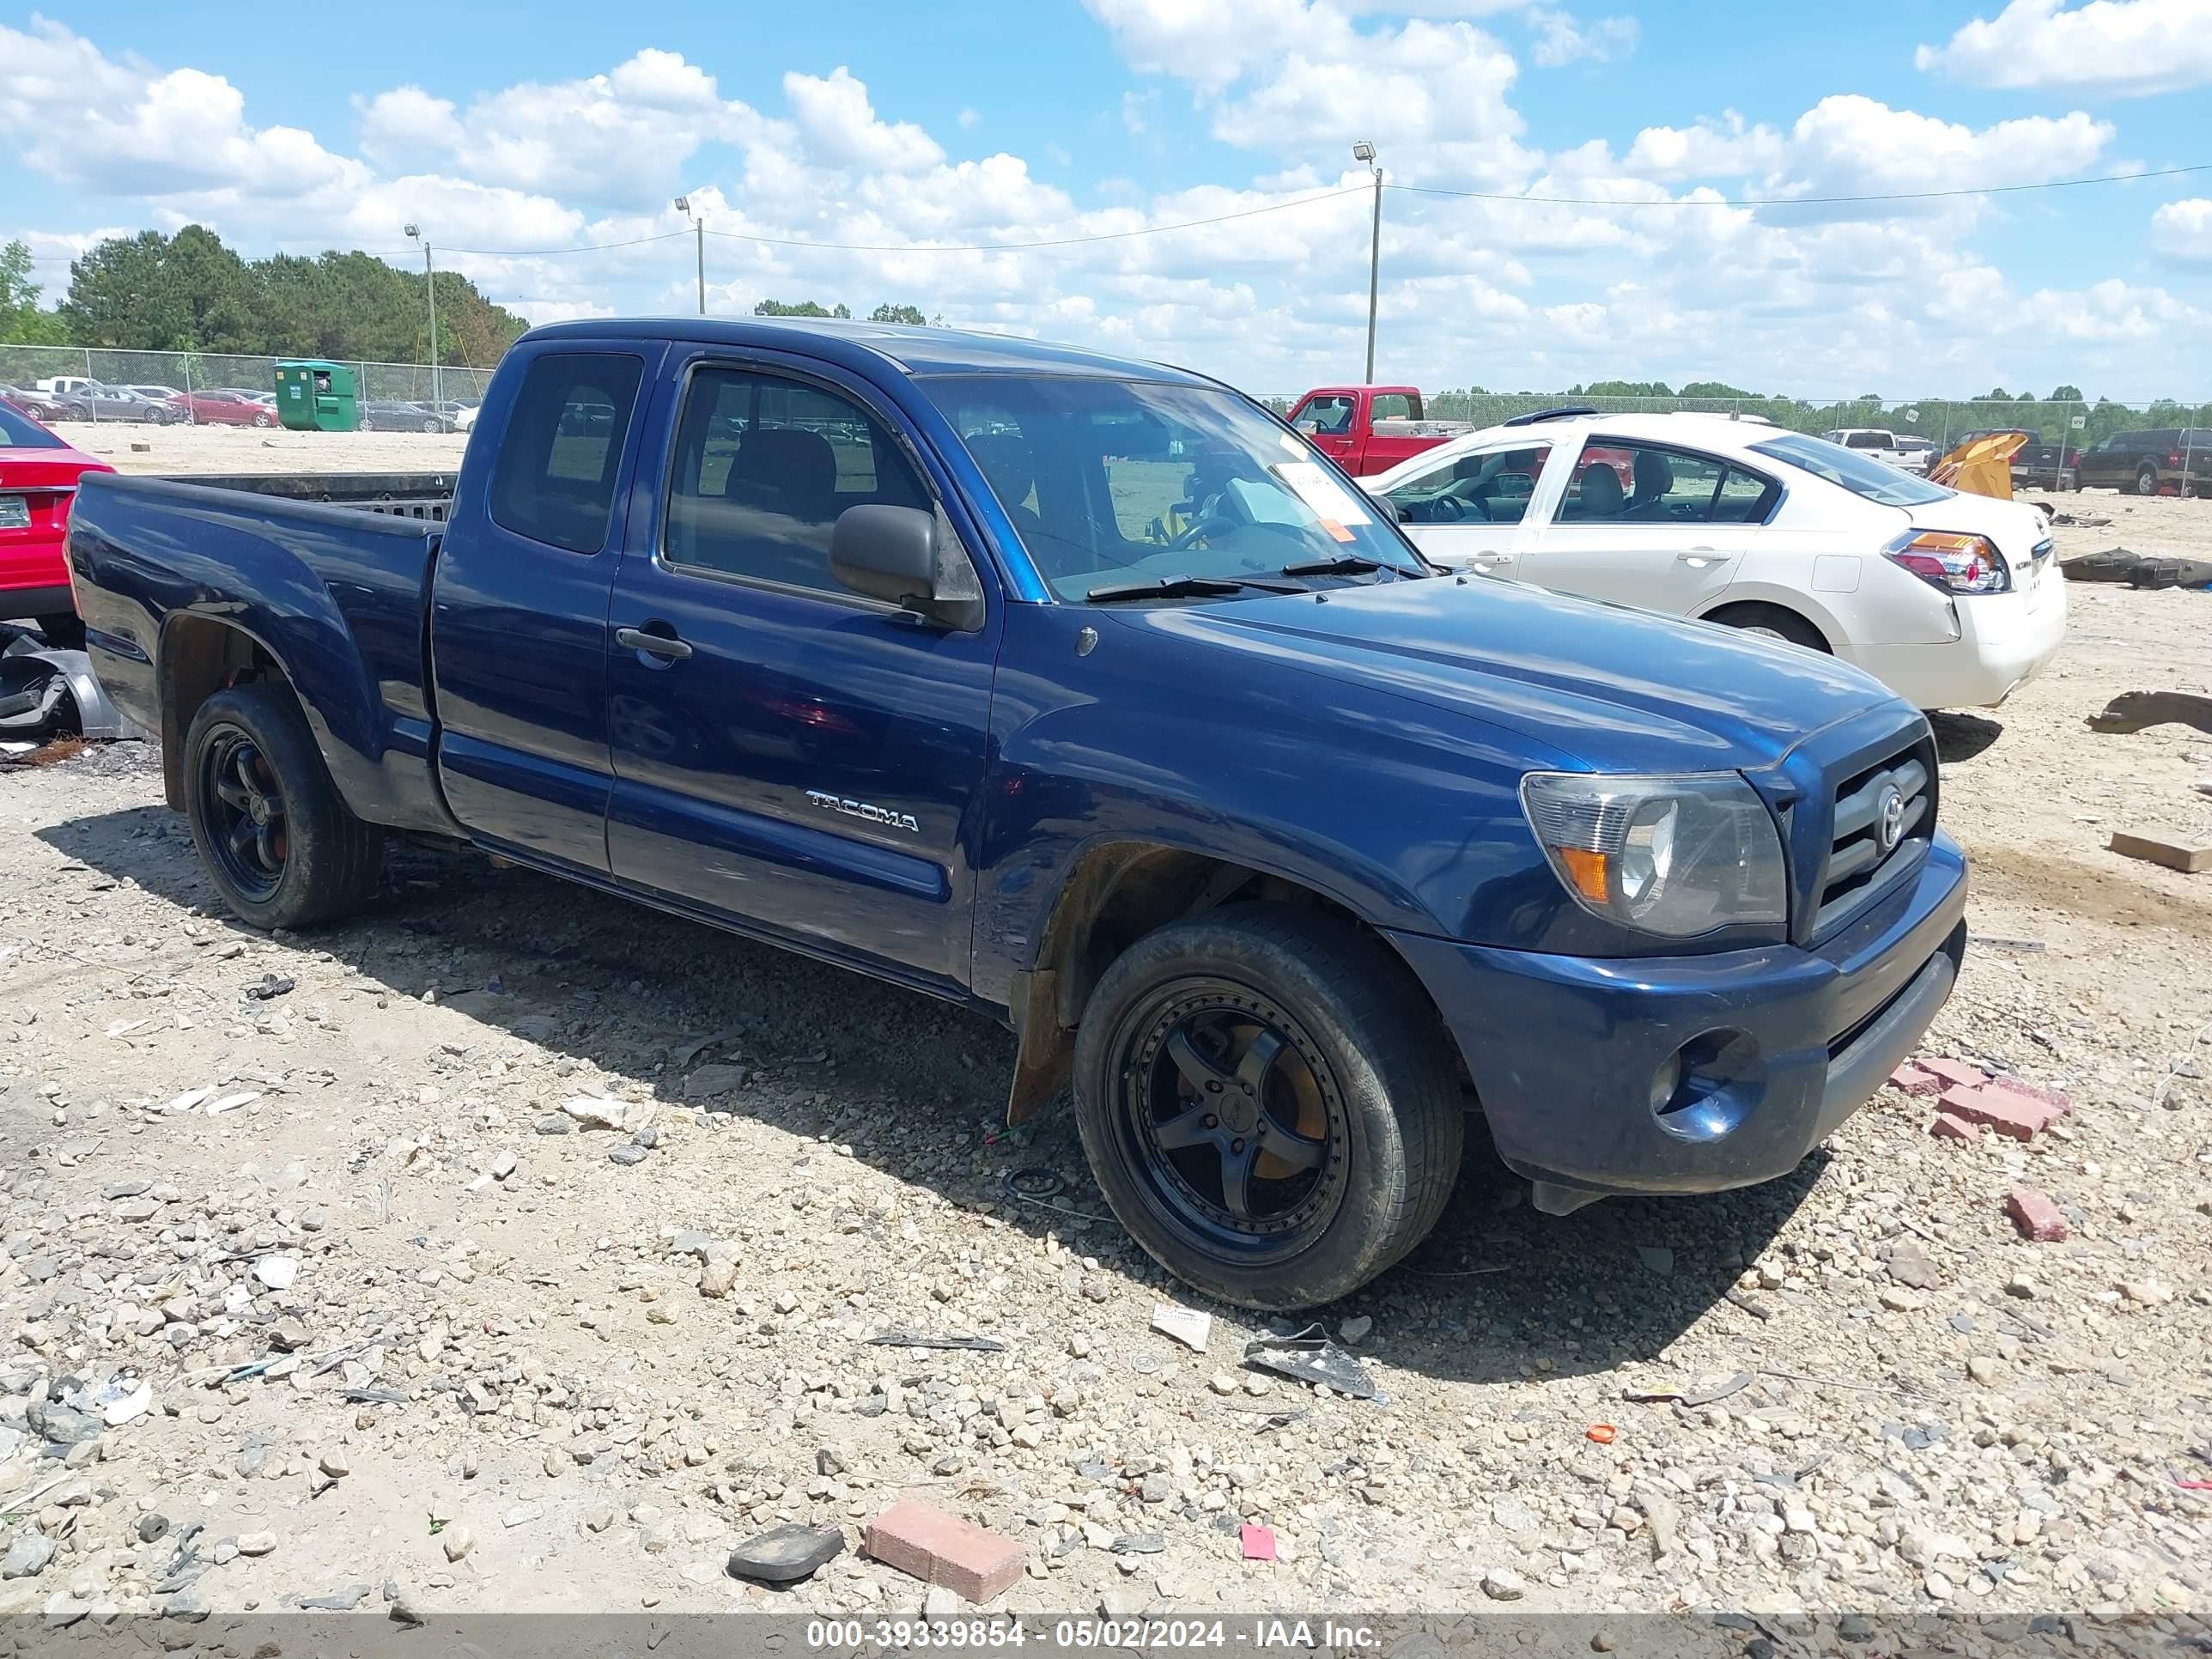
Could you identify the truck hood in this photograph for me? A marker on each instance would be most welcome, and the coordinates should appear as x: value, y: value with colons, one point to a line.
x: 1608, y: 687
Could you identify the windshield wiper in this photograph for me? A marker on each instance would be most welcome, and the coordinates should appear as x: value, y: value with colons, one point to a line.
x: 1340, y: 564
x: 1173, y: 587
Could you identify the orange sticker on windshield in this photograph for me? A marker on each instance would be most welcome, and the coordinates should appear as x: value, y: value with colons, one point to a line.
x: 1336, y: 529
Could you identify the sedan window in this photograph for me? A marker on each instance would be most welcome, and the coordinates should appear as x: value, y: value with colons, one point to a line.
x: 1877, y: 481
x: 1636, y: 484
x: 1492, y: 488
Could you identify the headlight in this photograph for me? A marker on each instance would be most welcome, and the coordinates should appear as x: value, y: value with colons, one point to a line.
x: 1954, y: 563
x: 1673, y: 856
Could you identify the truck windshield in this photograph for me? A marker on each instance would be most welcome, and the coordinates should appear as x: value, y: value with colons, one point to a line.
x: 1861, y: 475
x: 1111, y: 483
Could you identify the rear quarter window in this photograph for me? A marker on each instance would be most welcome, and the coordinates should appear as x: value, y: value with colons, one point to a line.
x: 19, y: 431
x: 562, y: 449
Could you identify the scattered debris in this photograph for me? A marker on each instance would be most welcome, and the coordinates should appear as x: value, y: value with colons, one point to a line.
x: 2036, y: 1216
x: 2138, y: 711
x: 2082, y: 520
x: 1256, y: 1543
x: 1188, y: 1326
x: 2188, y: 858
x: 909, y: 1339
x: 1691, y: 1397
x: 784, y: 1555
x: 268, y: 987
x: 2000, y: 942
x: 945, y: 1550
x: 1603, y: 1433
x: 1308, y: 1356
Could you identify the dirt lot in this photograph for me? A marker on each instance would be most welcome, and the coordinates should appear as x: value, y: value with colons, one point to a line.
x: 243, y: 449
x: 318, y: 1286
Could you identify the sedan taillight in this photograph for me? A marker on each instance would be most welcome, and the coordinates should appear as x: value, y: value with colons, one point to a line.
x: 1954, y: 563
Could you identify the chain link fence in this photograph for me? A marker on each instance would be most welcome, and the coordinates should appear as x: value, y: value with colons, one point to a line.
x: 188, y: 372
x: 1944, y: 422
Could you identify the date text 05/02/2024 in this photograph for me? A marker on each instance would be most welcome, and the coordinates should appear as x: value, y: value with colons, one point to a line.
x: 1078, y: 1635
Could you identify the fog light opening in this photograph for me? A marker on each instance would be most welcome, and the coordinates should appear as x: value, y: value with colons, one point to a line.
x: 1667, y: 1084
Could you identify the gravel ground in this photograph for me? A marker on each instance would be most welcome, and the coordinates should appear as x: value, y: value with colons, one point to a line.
x: 369, y: 1306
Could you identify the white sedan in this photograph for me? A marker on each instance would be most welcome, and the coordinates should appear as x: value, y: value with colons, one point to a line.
x: 1952, y: 600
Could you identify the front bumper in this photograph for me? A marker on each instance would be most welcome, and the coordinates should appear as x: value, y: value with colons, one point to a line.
x: 1782, y: 1043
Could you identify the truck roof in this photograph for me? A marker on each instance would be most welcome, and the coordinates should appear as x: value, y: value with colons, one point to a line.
x: 900, y: 346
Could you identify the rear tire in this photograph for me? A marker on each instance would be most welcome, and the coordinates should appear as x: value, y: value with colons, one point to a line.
x: 1339, y: 1126
x: 1774, y: 622
x: 283, y: 848
x: 2147, y: 482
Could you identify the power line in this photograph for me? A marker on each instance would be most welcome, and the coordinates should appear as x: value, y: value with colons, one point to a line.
x: 1799, y: 201
x: 1055, y: 241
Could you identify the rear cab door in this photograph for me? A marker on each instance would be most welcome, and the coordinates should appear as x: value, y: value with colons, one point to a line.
x: 1471, y: 510
x: 1661, y: 526
x: 792, y: 758
x: 518, y: 602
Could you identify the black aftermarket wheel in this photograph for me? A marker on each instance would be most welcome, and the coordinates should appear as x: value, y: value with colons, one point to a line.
x: 268, y: 822
x: 1267, y: 1110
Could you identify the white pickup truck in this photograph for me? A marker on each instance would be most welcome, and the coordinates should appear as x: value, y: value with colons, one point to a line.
x: 1884, y: 444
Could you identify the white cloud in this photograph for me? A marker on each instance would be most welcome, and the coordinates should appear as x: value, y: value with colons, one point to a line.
x: 2183, y: 231
x: 840, y: 126
x: 1561, y: 40
x: 970, y: 120
x: 2121, y: 48
x: 1505, y: 292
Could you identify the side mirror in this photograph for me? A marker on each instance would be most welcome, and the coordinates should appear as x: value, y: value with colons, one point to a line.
x: 890, y: 553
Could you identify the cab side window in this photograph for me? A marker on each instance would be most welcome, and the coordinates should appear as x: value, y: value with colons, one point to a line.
x: 764, y: 466
x: 1325, y: 416
x: 555, y: 481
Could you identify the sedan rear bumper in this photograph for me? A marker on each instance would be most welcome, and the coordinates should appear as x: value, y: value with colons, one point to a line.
x: 2005, y: 639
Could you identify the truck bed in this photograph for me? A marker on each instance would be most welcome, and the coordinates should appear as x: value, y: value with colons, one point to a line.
x: 327, y: 573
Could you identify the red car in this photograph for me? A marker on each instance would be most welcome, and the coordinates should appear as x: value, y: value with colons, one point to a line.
x: 225, y: 409
x: 38, y: 480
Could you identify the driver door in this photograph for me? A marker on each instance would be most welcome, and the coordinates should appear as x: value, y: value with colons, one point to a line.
x: 1470, y: 512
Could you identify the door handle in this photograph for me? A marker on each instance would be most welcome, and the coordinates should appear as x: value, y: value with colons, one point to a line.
x: 655, y: 645
x: 1487, y: 560
x: 1698, y: 557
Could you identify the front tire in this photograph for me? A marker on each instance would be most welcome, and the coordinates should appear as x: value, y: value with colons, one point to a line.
x: 1266, y: 1105
x: 283, y: 850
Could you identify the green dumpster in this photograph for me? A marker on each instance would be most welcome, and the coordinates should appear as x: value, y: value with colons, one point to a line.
x: 313, y: 396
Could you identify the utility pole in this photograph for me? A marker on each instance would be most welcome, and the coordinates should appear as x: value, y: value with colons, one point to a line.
x: 1363, y: 151
x: 699, y: 229
x: 430, y: 286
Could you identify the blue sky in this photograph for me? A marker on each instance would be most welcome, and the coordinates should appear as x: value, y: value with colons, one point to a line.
x: 554, y: 126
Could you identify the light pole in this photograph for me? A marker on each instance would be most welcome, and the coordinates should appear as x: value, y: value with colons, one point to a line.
x: 699, y: 228
x: 1363, y: 151
x: 430, y: 286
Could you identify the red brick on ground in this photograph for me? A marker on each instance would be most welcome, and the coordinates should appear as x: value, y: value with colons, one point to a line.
x: 1954, y: 1071
x: 943, y: 1549
x: 2064, y: 1103
x: 1947, y: 1127
x: 2036, y: 1216
x: 1913, y: 1080
x: 2009, y: 1114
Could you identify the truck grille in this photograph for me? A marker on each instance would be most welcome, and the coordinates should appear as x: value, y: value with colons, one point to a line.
x: 1864, y: 857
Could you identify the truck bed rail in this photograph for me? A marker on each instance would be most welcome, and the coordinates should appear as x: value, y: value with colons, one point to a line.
x: 427, y: 495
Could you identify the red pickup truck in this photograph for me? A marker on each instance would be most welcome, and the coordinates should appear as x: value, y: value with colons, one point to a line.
x: 1367, y: 430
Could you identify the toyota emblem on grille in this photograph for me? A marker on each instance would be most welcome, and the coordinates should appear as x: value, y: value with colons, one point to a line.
x: 1889, y: 818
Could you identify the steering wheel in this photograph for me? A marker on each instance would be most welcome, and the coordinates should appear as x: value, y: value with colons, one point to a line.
x: 1456, y: 509
x: 1205, y: 527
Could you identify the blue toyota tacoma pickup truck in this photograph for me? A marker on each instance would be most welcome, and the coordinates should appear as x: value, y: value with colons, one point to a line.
x: 1089, y: 695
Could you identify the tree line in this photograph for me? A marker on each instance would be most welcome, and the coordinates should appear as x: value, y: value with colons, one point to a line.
x: 192, y: 293
x: 882, y: 314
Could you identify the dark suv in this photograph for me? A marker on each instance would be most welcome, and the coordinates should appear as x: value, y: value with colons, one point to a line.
x: 2150, y: 461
